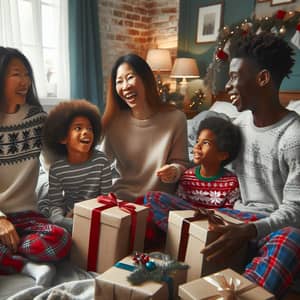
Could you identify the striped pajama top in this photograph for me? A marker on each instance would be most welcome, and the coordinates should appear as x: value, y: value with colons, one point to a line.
x: 71, y: 183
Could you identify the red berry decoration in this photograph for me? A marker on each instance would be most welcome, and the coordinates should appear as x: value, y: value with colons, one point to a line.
x: 140, y: 258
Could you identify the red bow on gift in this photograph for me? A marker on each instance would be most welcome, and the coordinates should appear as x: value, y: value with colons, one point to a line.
x: 111, y: 200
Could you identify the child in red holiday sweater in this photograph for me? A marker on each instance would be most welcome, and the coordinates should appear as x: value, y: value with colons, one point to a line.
x: 208, y: 184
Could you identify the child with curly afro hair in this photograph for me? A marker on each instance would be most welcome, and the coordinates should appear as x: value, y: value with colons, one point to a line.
x: 72, y: 130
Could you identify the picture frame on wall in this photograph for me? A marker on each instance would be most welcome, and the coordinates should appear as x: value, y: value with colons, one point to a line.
x: 280, y: 2
x: 209, y: 23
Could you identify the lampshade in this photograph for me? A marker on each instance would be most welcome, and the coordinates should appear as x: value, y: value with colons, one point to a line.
x: 159, y: 59
x: 185, y: 68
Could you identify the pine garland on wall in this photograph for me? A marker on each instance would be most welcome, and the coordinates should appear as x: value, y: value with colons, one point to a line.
x: 279, y: 23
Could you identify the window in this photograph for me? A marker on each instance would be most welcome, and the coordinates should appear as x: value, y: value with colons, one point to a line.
x: 39, y: 28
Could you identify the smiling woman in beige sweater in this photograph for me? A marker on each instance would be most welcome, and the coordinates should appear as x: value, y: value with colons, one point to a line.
x: 146, y: 137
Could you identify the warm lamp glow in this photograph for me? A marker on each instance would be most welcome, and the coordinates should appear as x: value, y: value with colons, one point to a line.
x: 185, y: 68
x: 159, y: 60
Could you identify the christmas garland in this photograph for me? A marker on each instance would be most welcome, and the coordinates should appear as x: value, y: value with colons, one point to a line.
x: 279, y: 23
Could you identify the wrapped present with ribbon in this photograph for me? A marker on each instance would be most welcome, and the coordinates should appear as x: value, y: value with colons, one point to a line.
x: 105, y: 230
x: 142, y: 276
x: 188, y: 233
x: 225, y: 285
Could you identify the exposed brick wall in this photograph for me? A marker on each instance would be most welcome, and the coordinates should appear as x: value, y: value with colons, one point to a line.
x: 135, y: 26
x: 164, y: 24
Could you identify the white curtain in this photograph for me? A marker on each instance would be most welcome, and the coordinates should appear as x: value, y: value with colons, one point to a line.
x: 22, y: 27
x: 63, y: 58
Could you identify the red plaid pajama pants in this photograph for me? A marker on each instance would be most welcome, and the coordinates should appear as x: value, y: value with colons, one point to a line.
x: 40, y: 241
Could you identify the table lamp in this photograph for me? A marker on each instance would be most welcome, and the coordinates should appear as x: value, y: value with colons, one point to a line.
x: 159, y: 61
x: 185, y: 68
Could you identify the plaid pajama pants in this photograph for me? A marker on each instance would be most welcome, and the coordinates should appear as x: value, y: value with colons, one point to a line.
x: 160, y: 204
x: 40, y: 241
x: 274, y: 260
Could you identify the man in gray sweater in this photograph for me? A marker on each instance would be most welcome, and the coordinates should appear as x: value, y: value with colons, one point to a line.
x: 268, y: 166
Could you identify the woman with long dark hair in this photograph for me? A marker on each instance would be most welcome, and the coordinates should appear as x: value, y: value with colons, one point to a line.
x: 145, y: 136
x: 27, y: 240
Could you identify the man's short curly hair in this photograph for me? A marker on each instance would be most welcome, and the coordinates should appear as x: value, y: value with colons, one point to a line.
x: 228, y: 136
x: 268, y: 51
x: 60, y: 118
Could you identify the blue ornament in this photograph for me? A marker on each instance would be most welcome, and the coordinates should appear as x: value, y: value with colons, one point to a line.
x: 150, y: 265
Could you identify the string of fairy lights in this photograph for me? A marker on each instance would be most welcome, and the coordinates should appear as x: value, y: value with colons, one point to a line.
x: 282, y: 23
x: 279, y: 23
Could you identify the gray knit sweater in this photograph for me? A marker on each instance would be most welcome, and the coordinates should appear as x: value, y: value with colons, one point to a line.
x: 71, y: 183
x: 268, y: 169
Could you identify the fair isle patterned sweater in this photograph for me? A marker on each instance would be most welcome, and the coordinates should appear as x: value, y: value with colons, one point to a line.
x: 20, y: 147
x: 268, y: 169
x: 221, y: 190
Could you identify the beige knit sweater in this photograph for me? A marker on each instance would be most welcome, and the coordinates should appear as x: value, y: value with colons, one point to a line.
x: 141, y: 147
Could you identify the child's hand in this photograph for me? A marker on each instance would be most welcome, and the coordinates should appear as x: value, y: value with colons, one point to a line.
x: 70, y: 214
x: 167, y: 173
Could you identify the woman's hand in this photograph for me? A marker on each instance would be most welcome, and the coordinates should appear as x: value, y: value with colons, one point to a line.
x: 168, y: 173
x: 231, y: 239
x: 9, y: 235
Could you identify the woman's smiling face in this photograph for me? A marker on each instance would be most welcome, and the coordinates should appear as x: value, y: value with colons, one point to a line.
x: 130, y: 86
x: 16, y: 85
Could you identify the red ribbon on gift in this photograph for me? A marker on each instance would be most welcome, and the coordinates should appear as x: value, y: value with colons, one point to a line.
x: 200, y: 214
x: 109, y: 201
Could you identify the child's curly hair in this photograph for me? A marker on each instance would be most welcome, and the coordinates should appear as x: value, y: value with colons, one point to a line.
x: 228, y: 136
x: 60, y: 118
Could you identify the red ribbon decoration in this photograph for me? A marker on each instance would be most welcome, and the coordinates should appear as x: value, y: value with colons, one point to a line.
x: 200, y: 214
x: 221, y: 54
x: 109, y: 201
x: 280, y: 14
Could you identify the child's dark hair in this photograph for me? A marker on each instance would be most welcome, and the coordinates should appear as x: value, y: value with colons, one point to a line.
x: 268, y: 51
x: 228, y: 136
x: 60, y: 118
